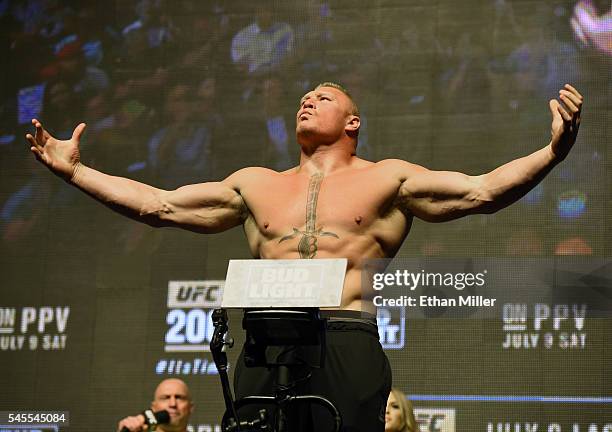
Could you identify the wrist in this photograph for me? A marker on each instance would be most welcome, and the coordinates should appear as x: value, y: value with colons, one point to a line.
x: 553, y: 155
x: 76, y: 173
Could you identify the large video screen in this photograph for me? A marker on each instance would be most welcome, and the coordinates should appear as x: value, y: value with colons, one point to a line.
x: 96, y: 309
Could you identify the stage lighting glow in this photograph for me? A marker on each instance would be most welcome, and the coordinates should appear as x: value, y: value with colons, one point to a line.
x: 592, y: 27
x: 571, y: 204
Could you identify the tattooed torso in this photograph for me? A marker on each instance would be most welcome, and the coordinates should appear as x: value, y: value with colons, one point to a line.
x: 350, y: 214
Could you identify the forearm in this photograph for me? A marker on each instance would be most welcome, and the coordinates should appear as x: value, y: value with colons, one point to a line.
x: 438, y: 196
x: 511, y: 181
x: 127, y: 197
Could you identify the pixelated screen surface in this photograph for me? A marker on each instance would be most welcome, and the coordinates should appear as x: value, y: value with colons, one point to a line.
x: 183, y: 92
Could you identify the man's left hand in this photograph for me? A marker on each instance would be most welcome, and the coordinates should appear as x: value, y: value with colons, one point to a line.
x: 565, y: 120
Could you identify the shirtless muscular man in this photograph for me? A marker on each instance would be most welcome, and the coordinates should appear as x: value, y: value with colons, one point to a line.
x: 332, y: 205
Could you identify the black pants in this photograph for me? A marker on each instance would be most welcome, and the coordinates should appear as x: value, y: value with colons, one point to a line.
x: 356, y: 378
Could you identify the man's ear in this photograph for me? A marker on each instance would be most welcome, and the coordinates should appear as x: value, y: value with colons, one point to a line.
x: 352, y: 125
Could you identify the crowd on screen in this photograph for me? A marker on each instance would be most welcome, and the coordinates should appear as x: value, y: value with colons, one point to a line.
x: 178, y: 92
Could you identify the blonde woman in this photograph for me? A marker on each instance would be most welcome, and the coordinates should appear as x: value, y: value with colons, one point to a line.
x: 399, y: 416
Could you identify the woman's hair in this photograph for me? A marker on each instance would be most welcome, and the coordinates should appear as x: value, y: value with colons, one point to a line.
x: 408, y: 421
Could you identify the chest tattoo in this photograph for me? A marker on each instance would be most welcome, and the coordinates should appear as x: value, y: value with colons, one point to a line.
x: 307, y: 246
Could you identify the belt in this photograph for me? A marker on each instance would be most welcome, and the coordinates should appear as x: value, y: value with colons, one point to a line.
x: 342, y: 319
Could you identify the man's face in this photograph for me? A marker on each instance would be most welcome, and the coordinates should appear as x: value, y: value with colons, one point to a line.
x: 173, y: 395
x: 323, y: 115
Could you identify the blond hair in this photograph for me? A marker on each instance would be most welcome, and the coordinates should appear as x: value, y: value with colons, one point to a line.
x: 407, y: 418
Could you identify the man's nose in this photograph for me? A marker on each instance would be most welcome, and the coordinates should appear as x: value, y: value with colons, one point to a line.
x: 309, y: 103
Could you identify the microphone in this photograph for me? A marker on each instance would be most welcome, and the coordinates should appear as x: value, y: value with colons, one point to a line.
x: 152, y: 418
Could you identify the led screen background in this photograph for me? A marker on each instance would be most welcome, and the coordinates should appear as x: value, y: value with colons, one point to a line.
x: 178, y: 92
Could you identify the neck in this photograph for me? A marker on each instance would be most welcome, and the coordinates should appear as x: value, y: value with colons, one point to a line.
x: 326, y: 159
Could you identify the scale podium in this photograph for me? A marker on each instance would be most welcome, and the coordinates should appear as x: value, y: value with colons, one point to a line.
x: 284, y: 331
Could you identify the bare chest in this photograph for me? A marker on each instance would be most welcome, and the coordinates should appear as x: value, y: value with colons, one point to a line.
x: 317, y: 205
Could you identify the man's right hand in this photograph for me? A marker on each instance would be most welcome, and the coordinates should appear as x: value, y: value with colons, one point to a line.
x: 61, y: 157
x: 133, y: 424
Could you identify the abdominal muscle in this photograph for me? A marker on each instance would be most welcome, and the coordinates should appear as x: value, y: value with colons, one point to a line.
x: 356, y: 248
x: 353, y: 296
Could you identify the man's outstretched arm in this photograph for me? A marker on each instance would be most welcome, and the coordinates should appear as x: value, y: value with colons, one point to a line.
x: 438, y: 196
x: 207, y: 207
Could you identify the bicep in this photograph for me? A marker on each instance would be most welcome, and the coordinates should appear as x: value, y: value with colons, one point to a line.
x: 439, y: 196
x: 206, y: 207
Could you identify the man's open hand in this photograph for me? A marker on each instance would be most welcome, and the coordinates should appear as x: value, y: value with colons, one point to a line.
x: 565, y: 120
x: 61, y: 157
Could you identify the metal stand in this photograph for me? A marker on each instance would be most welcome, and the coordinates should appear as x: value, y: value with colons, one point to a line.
x: 272, y: 328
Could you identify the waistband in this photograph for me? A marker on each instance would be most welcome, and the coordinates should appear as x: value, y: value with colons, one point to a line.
x: 348, y: 315
x: 350, y: 320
